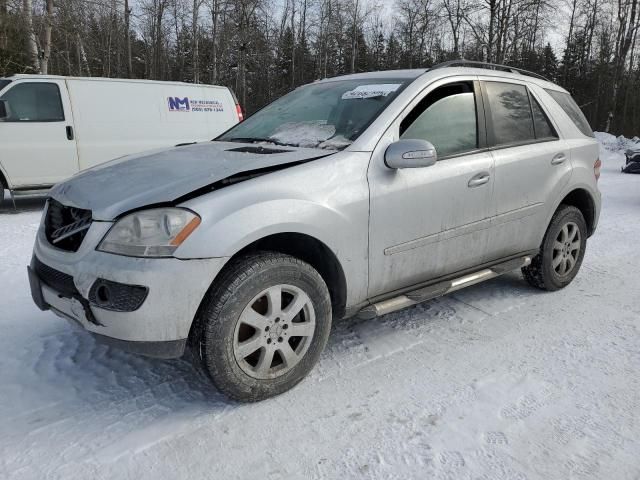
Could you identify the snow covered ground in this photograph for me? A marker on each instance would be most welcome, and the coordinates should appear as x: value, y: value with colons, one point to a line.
x: 498, y: 381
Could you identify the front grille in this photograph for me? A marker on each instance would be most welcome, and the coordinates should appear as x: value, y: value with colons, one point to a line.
x: 59, y: 281
x: 65, y: 227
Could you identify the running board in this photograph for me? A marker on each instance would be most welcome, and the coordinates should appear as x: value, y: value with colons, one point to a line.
x: 438, y: 289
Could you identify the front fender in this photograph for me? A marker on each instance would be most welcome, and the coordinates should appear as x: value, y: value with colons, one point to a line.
x: 327, y: 199
x: 4, y: 178
x: 244, y: 226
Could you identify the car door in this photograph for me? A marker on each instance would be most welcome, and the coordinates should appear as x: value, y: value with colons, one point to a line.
x: 432, y: 221
x: 532, y: 164
x: 37, y: 138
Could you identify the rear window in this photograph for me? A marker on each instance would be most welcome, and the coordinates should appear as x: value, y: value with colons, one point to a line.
x: 573, y: 110
x: 4, y: 83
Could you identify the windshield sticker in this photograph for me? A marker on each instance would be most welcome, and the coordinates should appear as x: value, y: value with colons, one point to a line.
x: 371, y: 91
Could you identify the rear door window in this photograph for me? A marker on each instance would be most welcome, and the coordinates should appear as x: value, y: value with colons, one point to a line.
x: 34, y: 102
x: 572, y: 109
x: 510, y: 113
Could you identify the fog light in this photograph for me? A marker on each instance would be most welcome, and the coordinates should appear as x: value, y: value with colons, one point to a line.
x: 117, y: 297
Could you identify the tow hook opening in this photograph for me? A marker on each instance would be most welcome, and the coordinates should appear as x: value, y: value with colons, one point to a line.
x: 103, y: 294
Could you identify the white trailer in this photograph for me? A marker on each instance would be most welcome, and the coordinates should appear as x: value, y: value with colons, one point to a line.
x: 52, y: 127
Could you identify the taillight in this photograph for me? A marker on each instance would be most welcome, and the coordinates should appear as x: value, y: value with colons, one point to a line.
x: 596, y: 169
x: 239, y: 112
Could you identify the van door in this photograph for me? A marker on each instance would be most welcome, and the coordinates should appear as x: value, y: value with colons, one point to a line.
x: 37, y: 141
x: 532, y: 165
x: 432, y: 221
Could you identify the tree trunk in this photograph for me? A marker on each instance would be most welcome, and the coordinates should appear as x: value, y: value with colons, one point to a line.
x: 626, y: 30
x: 157, y: 50
x: 127, y: 37
x: 82, y: 57
x: 293, y: 44
x: 565, y: 66
x: 492, y: 25
x: 3, y: 24
x: 214, y: 46
x: 32, y: 45
x: 194, y: 46
x: 46, y: 52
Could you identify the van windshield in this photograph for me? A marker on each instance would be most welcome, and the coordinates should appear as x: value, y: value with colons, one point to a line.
x: 329, y: 115
x: 4, y: 83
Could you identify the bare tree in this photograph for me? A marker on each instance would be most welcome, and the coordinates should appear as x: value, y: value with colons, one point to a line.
x: 627, y: 26
x: 455, y: 16
x: 195, y: 41
x: 32, y: 45
x: 127, y: 38
x: 46, y: 51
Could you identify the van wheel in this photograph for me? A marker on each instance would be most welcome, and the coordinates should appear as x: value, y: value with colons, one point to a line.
x: 561, y: 252
x: 263, y: 326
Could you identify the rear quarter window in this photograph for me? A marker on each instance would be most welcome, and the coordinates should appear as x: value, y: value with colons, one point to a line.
x: 572, y: 109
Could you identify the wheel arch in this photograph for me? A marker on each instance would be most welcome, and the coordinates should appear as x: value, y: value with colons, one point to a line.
x: 304, y: 247
x: 3, y: 181
x: 313, y: 251
x: 583, y: 201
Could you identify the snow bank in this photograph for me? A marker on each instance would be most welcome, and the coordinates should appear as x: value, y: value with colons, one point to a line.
x: 612, y: 149
x: 616, y: 144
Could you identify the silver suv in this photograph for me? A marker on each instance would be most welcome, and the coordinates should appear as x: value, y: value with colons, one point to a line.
x: 355, y: 195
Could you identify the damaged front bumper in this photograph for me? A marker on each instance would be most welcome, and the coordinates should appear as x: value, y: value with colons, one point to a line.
x: 144, y: 305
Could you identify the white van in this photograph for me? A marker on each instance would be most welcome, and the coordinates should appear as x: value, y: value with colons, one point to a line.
x: 51, y: 127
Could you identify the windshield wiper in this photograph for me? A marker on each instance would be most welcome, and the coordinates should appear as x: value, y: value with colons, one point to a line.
x: 258, y: 140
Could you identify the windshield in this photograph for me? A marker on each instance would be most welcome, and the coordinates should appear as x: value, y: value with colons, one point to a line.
x: 4, y: 83
x: 328, y: 115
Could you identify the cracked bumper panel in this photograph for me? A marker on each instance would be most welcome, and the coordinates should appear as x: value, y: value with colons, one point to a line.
x: 175, y: 289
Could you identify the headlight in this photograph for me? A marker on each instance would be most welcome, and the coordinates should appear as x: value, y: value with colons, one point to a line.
x: 150, y: 233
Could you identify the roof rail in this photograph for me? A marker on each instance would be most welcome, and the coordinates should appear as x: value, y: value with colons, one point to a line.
x: 488, y: 66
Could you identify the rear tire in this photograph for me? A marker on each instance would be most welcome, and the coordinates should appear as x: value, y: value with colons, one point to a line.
x: 561, y: 252
x: 263, y: 326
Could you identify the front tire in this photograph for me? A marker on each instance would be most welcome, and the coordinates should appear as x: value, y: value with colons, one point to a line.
x: 264, y: 325
x: 561, y: 252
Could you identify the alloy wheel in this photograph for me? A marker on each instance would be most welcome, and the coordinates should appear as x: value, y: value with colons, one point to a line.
x: 274, y: 332
x: 566, y: 249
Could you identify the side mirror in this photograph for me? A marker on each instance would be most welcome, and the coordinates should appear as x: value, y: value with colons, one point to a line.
x: 410, y: 153
x: 4, y: 109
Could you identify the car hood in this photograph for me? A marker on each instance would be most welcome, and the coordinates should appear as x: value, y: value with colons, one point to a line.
x: 164, y: 176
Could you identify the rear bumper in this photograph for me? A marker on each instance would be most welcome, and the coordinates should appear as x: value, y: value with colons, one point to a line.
x: 158, y: 327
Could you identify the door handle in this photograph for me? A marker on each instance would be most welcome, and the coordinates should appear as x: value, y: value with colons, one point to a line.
x: 69, y: 132
x: 479, y: 179
x: 558, y: 159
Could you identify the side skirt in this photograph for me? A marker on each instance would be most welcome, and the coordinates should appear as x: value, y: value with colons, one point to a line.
x: 438, y: 289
